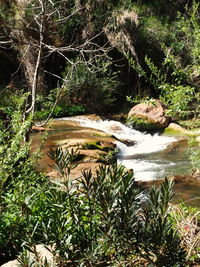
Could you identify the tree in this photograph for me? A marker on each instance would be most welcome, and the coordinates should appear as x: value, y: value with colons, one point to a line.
x: 39, y: 28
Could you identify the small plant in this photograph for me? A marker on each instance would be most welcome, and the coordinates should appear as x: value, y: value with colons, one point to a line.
x: 65, y: 161
x: 186, y: 221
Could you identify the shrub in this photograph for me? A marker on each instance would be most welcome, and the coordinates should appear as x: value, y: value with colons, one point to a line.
x: 96, y: 219
x: 94, y: 87
x: 107, y: 218
x: 172, y: 67
x: 160, y: 243
x: 61, y: 110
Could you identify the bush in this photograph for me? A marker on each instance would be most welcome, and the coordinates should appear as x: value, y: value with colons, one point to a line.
x: 18, y: 181
x: 60, y: 110
x: 171, y: 67
x: 186, y: 221
x: 94, y: 88
x: 104, y: 219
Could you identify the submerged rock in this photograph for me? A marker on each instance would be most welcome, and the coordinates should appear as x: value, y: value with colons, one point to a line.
x: 148, y: 116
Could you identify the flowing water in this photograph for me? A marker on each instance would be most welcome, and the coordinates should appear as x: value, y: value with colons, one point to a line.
x: 150, y: 156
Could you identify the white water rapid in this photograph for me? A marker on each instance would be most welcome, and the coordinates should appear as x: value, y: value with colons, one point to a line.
x: 144, y: 156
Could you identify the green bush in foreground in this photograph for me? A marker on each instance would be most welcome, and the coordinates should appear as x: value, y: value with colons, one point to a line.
x: 101, y: 219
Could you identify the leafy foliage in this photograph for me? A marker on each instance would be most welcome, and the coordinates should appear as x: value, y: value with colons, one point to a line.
x: 186, y: 221
x: 18, y: 183
x: 91, y: 220
x: 61, y: 110
x: 164, y: 244
x: 172, y: 65
x: 92, y: 87
x: 102, y: 219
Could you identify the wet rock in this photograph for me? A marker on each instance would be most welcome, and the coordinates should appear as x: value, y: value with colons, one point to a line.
x: 86, y: 166
x: 39, y: 129
x: 102, y: 145
x: 128, y: 142
x: 107, y: 146
x: 148, y: 116
x: 115, y: 128
x: 180, y: 143
x: 118, y: 117
x: 186, y: 179
x: 93, y: 150
x: 90, y: 116
x: 101, y: 151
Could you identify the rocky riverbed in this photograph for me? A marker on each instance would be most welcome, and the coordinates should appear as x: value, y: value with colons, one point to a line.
x: 96, y: 146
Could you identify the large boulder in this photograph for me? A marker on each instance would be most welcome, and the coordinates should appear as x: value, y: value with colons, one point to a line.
x: 148, y: 116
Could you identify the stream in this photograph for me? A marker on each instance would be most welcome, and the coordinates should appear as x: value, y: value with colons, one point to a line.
x: 151, y: 157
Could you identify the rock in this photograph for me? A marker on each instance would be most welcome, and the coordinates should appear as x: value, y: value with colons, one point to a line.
x: 118, y: 117
x: 128, y: 142
x: 39, y: 129
x: 90, y: 116
x: 176, y: 129
x: 14, y: 263
x: 186, y: 179
x: 101, y: 145
x: 107, y: 146
x: 43, y: 254
x: 93, y: 151
x: 148, y: 116
x: 100, y: 151
x: 86, y: 166
x: 115, y: 128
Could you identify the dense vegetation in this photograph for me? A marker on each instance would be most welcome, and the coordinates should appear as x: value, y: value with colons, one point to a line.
x: 72, y: 52
x: 71, y: 57
x: 104, y: 219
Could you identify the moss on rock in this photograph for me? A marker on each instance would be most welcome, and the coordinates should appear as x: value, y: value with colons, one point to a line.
x: 142, y: 124
x: 105, y: 151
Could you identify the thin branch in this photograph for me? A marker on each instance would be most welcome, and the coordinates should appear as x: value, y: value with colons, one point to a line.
x: 38, y: 62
